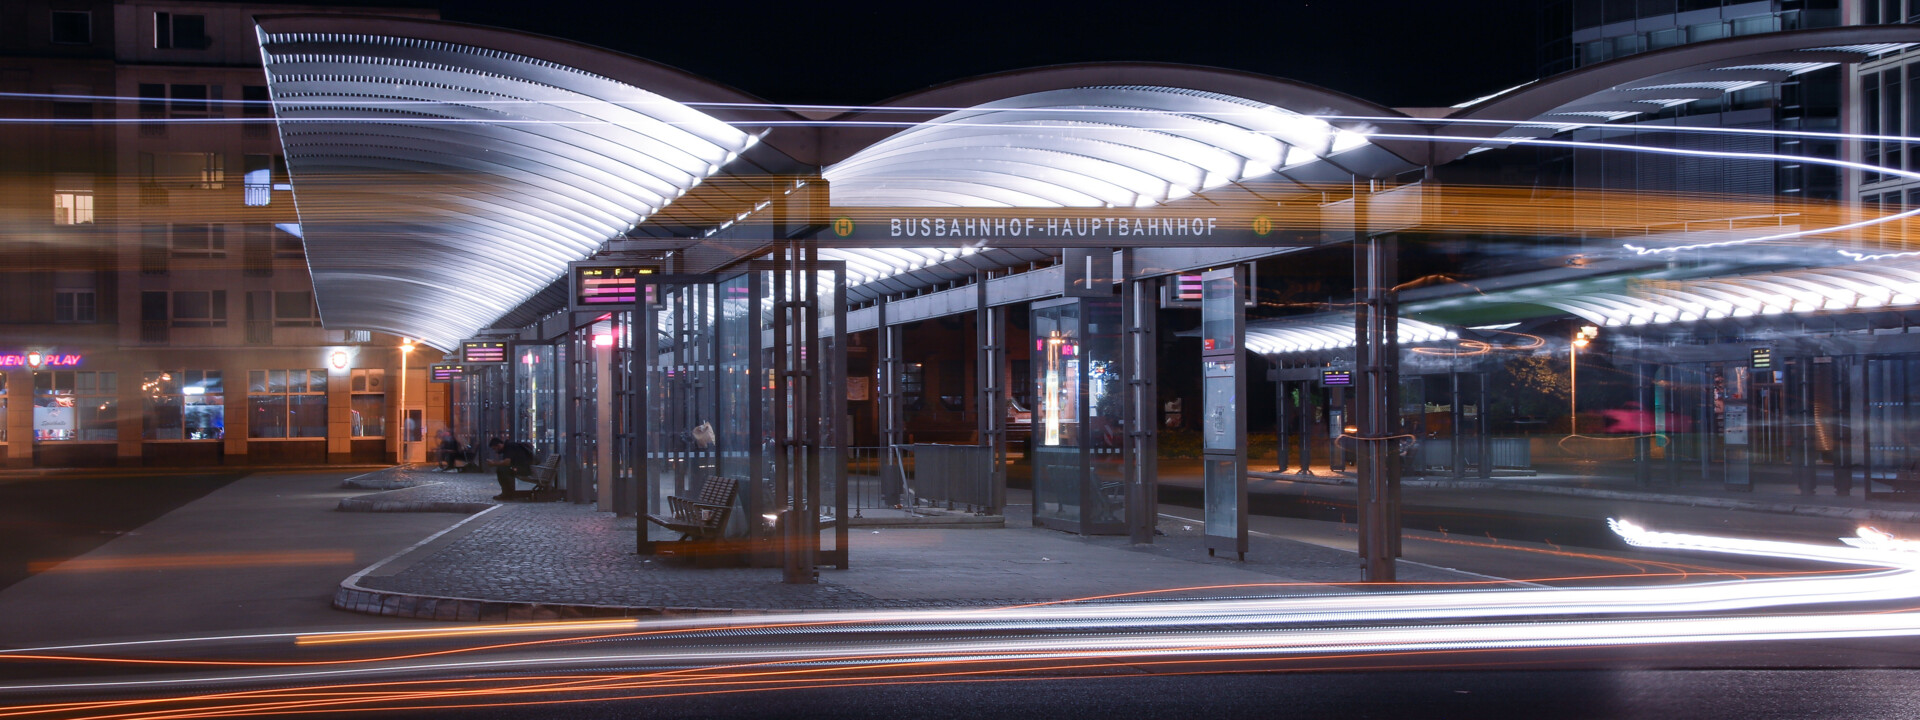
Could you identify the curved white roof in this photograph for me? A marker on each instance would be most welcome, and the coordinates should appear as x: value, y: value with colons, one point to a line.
x: 1862, y: 286
x: 1110, y: 146
x: 1337, y: 334
x: 441, y: 184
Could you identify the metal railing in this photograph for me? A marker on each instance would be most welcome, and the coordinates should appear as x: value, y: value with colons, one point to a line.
x: 954, y: 477
x: 1509, y: 453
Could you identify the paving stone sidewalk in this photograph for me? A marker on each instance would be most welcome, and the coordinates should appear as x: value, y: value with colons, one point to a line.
x: 519, y: 560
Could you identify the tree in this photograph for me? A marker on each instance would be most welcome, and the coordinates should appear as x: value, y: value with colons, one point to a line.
x: 1532, y: 386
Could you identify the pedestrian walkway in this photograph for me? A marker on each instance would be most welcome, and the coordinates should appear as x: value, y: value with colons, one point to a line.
x: 520, y: 560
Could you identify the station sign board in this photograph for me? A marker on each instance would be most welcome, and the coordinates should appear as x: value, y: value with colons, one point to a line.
x: 483, y: 352
x: 1761, y: 359
x: 601, y: 285
x: 446, y: 373
x: 1057, y: 228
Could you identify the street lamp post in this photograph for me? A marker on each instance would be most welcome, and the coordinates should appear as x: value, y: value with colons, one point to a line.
x: 406, y: 349
x: 1580, y: 340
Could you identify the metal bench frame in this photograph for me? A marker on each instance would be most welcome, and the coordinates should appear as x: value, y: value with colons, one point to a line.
x: 704, y: 518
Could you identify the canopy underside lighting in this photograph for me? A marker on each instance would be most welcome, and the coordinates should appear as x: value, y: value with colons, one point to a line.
x: 441, y: 184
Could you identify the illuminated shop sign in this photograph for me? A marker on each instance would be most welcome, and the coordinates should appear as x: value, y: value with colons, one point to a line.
x: 33, y: 359
x: 447, y: 373
x: 483, y: 352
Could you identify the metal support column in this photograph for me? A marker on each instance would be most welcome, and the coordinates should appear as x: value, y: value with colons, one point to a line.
x: 1376, y: 365
x: 1800, y: 414
x: 892, y: 407
x: 990, y: 365
x: 1483, y: 427
x: 1140, y: 403
x: 579, y: 490
x: 1843, y: 456
x: 1306, y: 429
x: 1457, y: 417
x: 1643, y: 432
x: 1279, y: 419
x: 841, y: 434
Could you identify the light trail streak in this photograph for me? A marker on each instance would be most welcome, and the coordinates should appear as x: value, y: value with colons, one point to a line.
x: 194, y: 561
x: 878, y: 647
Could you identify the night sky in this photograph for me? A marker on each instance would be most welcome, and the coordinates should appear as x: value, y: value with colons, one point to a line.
x: 1402, y: 53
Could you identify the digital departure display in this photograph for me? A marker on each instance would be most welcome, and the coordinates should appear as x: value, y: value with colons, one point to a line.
x: 608, y: 285
x: 446, y: 373
x: 483, y: 352
x: 1333, y: 378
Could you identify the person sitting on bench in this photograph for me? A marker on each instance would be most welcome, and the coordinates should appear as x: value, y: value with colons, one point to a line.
x: 515, y: 461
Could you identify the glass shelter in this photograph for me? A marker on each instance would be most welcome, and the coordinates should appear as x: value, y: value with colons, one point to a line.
x: 1079, y: 434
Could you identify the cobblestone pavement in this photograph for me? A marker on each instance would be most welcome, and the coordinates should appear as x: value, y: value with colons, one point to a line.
x: 565, y: 554
x: 422, y: 489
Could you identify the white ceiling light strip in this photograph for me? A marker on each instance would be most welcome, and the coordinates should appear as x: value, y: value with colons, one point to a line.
x: 441, y: 185
x: 1084, y: 147
x: 1817, y: 290
x: 1333, y: 335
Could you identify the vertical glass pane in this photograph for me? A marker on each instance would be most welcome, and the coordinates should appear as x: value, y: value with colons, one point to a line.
x: 204, y: 417
x: 266, y: 416
x: 1057, y: 382
x: 369, y: 415
x: 1106, y: 434
x: 307, y: 416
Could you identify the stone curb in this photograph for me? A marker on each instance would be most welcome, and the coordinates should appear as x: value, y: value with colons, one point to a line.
x: 350, y: 596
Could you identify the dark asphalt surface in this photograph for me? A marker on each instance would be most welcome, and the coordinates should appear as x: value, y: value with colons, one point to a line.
x: 1569, y: 694
x: 57, y: 516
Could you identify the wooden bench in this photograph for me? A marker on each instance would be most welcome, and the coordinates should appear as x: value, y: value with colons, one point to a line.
x: 704, y: 518
x: 545, y: 479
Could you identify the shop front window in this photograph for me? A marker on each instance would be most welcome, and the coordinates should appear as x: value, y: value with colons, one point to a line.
x: 287, y: 404
x: 184, y: 405
x: 369, y: 414
x: 75, y: 405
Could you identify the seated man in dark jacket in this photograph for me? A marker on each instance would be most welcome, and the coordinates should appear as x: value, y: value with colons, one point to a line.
x: 515, y: 460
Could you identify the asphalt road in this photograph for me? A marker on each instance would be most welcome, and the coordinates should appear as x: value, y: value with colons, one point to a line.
x: 1534, y: 695
x: 51, y: 517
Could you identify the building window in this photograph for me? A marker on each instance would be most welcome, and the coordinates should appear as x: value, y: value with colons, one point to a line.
x: 72, y: 27
x: 295, y: 309
x: 199, y: 240
x: 288, y: 246
x: 74, y: 305
x: 184, y: 405
x: 201, y: 170
x: 180, y: 31
x: 153, y: 110
x: 287, y: 403
x: 200, y: 308
x: 256, y: 252
x: 369, y: 402
x: 74, y: 405
x: 258, y: 180
x: 257, y: 108
x: 73, y: 208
